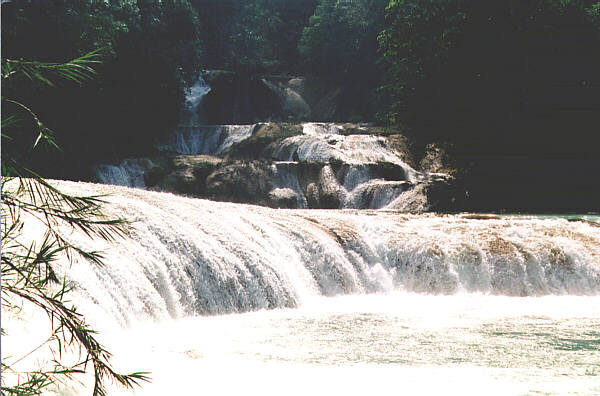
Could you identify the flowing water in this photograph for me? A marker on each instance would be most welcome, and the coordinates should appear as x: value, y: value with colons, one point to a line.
x: 193, y: 97
x: 220, y: 298
x: 205, y: 139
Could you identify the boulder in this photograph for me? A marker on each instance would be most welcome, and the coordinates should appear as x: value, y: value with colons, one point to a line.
x: 284, y: 198
x: 436, y: 159
x: 292, y: 104
x: 261, y: 143
x: 241, y: 181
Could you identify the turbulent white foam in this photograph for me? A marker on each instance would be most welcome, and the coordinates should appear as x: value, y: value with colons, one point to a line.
x: 320, y: 128
x: 190, y: 256
x: 374, y: 194
x: 187, y: 256
x: 205, y: 139
x: 352, y: 149
x: 193, y: 97
x: 129, y: 172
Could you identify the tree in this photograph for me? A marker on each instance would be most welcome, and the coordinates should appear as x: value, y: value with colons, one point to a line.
x: 462, y: 70
x: 27, y: 268
x: 340, y: 44
x: 253, y: 36
x: 513, y: 85
x: 414, y: 44
x: 151, y: 52
x: 341, y: 38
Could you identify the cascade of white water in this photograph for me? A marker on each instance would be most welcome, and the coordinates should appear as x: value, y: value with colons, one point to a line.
x: 192, y: 137
x: 193, y: 99
x: 320, y: 128
x: 129, y: 172
x: 356, y: 175
x: 285, y: 176
x: 375, y: 194
x: 352, y: 149
x: 205, y: 139
x: 190, y: 256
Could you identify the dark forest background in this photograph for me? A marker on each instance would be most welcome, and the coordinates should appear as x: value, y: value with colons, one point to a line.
x: 511, y: 88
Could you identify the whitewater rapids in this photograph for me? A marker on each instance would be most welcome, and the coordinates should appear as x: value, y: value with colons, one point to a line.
x: 188, y: 256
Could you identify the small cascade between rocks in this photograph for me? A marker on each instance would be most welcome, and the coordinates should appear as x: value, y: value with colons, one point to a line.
x: 205, y: 139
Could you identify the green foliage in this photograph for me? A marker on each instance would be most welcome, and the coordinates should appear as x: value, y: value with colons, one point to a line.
x: 151, y: 51
x: 514, y: 85
x: 251, y: 44
x: 253, y: 36
x: 77, y: 70
x: 462, y: 70
x: 340, y: 45
x: 341, y: 37
x: 59, y: 30
x: 21, y: 125
x: 28, y: 273
x: 416, y: 40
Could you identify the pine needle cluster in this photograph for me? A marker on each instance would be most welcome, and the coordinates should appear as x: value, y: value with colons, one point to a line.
x: 28, y: 275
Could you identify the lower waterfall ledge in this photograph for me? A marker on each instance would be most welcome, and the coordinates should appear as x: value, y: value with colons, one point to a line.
x: 189, y: 256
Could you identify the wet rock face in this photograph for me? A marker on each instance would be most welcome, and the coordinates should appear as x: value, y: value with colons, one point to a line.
x: 184, y: 174
x: 284, y: 198
x: 436, y: 159
x: 241, y: 181
x: 236, y: 98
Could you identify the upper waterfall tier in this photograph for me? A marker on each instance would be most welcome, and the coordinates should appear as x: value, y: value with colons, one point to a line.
x: 310, y: 165
x: 192, y: 111
x: 189, y: 256
x: 205, y: 139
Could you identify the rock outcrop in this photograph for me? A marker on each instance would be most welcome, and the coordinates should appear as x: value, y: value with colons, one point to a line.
x: 237, y: 98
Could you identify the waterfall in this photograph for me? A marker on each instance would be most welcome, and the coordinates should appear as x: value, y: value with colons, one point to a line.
x: 129, y: 172
x: 351, y: 149
x: 375, y: 194
x: 343, y: 165
x: 192, y: 137
x: 191, y: 115
x: 205, y: 139
x: 320, y: 128
x: 190, y: 256
x: 285, y: 181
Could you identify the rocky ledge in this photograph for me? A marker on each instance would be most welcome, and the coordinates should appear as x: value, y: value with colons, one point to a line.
x: 280, y: 165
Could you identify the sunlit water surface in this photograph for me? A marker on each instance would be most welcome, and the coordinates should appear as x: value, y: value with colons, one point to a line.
x: 378, y: 344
